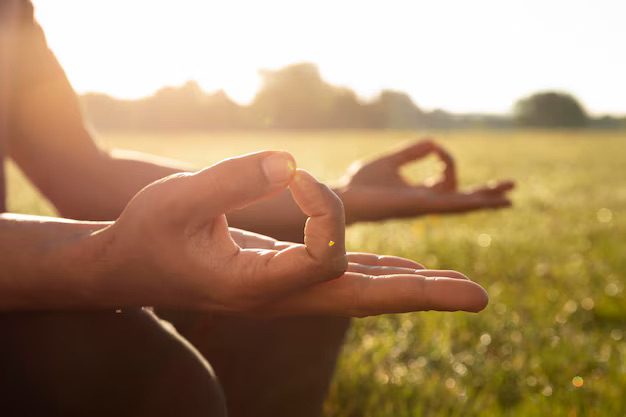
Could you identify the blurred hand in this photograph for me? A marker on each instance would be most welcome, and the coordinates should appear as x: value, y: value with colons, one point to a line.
x: 376, y: 190
x: 172, y: 247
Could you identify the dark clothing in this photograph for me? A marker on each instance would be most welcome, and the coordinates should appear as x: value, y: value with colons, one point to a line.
x: 101, y: 364
x: 133, y: 363
x: 274, y: 368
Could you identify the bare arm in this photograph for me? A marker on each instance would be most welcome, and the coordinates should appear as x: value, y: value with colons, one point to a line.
x: 46, y: 263
x: 55, y: 149
x: 52, y: 145
x: 171, y: 247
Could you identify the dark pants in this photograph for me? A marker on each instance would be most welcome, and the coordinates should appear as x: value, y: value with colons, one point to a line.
x: 134, y: 364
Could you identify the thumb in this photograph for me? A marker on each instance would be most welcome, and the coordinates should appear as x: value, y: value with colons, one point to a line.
x: 448, y: 181
x: 237, y: 182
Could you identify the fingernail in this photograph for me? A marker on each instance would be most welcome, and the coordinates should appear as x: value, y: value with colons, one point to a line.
x: 279, y: 167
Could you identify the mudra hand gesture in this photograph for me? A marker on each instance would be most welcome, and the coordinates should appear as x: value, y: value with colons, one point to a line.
x: 175, y: 243
x: 375, y: 190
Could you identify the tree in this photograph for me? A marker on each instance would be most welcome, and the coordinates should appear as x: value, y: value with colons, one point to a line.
x: 294, y: 97
x: 395, y: 110
x: 171, y: 108
x: 550, y: 109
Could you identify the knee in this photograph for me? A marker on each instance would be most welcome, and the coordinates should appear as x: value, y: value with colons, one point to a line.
x: 103, y: 363
x: 182, y: 382
x: 164, y: 374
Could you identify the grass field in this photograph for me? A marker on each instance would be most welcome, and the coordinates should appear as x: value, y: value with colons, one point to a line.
x: 552, y: 341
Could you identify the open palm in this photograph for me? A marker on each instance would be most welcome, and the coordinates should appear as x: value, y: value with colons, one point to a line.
x: 372, y: 284
x: 175, y: 243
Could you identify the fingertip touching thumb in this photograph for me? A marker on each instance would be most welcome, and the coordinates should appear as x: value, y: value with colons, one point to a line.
x: 279, y: 167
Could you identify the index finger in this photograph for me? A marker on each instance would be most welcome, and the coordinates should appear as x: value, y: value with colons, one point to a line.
x: 412, y: 152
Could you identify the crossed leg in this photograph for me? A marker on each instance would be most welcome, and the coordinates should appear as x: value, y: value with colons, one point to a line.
x: 279, y: 367
x: 134, y: 364
x: 102, y: 364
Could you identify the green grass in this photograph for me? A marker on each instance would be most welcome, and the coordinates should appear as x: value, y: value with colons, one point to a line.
x: 554, y: 269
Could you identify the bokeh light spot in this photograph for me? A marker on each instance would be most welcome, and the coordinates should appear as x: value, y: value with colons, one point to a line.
x: 484, y: 240
x: 450, y: 383
x: 611, y: 289
x: 547, y: 391
x: 604, y: 215
x: 587, y: 303
x: 617, y: 334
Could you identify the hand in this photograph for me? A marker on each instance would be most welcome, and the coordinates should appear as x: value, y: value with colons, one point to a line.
x: 373, y: 284
x: 376, y: 190
x: 172, y: 247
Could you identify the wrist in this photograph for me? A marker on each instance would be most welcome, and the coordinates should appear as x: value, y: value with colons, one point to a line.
x: 83, y: 264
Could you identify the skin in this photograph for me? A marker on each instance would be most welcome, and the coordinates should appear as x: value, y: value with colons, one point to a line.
x: 161, y: 236
x: 173, y: 240
x: 85, y: 182
x: 375, y: 190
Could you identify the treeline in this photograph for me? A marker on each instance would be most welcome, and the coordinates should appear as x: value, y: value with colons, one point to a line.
x: 296, y: 97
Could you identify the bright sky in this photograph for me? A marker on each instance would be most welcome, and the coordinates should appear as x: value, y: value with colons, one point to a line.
x: 460, y: 55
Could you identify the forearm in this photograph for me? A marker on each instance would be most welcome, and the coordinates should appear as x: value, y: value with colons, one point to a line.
x: 97, y: 185
x: 105, y: 191
x: 49, y: 263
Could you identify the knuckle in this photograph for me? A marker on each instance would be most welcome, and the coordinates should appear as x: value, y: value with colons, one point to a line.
x: 165, y: 186
x: 326, y: 201
x: 213, y: 183
x: 426, y: 296
x: 332, y: 201
x: 357, y: 304
x: 236, y: 164
x: 160, y: 198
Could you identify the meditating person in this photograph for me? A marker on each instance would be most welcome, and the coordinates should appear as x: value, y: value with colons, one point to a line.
x: 163, y: 291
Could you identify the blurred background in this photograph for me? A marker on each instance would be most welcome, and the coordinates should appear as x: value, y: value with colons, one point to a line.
x: 357, y: 64
x: 529, y: 90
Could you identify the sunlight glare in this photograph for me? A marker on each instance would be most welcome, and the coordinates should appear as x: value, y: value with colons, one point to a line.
x: 461, y: 56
